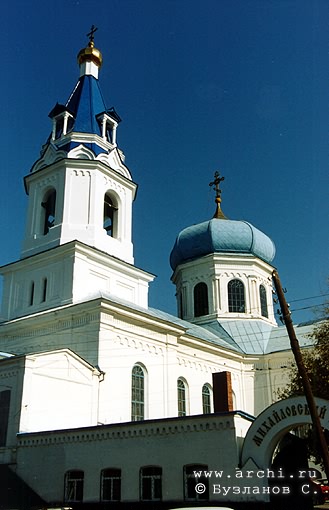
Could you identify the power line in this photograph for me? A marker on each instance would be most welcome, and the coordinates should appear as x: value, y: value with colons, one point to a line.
x: 306, y: 298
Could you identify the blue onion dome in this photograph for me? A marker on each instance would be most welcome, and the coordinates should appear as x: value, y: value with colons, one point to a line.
x: 220, y: 235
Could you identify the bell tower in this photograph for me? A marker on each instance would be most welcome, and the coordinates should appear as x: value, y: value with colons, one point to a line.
x: 78, y: 237
x: 80, y: 188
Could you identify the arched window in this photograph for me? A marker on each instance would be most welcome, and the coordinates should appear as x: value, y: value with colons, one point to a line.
x: 206, y: 399
x: 191, y: 481
x: 236, y: 298
x: 110, y: 216
x: 111, y: 484
x: 182, y: 397
x: 49, y: 205
x: 73, y: 489
x: 263, y: 301
x: 201, y: 306
x: 151, y: 483
x: 137, y: 393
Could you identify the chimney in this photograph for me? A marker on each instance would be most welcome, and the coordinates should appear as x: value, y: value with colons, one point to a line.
x: 222, y: 392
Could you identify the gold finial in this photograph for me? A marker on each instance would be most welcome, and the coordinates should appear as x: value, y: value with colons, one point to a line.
x: 215, y: 186
x: 90, y: 53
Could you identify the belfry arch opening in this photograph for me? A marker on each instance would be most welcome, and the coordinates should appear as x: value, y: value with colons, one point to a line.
x: 110, y: 215
x: 49, y: 210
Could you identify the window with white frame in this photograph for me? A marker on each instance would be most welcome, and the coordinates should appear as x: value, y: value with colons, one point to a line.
x: 236, y: 296
x: 194, y: 474
x: 206, y: 399
x: 111, y: 484
x: 182, y: 397
x: 151, y: 483
x: 137, y: 393
x: 73, y: 489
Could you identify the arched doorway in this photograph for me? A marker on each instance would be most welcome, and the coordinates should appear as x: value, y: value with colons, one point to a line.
x: 274, y: 423
x: 287, y: 471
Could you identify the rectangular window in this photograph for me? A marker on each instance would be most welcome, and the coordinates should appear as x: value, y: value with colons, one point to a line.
x: 31, y: 294
x: 151, y: 483
x: 190, y: 482
x: 74, y: 486
x: 44, y: 290
x: 111, y: 484
x: 4, y: 415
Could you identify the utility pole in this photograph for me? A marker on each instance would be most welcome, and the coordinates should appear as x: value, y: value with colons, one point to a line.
x: 286, y: 315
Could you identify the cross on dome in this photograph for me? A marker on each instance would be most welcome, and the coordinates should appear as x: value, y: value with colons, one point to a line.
x: 91, y: 33
x: 215, y: 186
x: 90, y: 58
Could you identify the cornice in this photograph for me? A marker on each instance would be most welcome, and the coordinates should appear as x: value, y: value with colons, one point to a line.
x: 49, y: 321
x: 86, y: 164
x: 145, y: 429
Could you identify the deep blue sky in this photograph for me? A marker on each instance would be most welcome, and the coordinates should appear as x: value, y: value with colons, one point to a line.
x: 240, y: 86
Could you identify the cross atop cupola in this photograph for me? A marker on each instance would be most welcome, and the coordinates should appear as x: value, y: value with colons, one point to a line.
x: 215, y: 185
x: 91, y: 33
x: 90, y: 58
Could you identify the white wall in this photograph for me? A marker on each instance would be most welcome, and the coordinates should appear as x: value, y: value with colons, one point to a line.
x: 60, y: 391
x: 167, y: 443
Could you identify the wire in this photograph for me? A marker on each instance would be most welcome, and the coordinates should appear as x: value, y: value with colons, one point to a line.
x: 306, y: 298
x: 305, y: 308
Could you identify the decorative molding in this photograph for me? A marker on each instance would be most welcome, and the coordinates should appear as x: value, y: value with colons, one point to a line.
x: 81, y: 152
x: 11, y: 373
x: 125, y: 431
x: 139, y: 344
x: 50, y: 180
x: 111, y: 184
x: 138, y: 331
x: 113, y: 160
x: 81, y: 173
x: 57, y: 325
x: 196, y: 365
x: 52, y: 155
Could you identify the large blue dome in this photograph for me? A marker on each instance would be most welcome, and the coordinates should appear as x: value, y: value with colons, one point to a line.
x: 221, y: 235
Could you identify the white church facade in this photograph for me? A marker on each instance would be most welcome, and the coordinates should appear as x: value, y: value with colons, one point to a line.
x: 103, y: 399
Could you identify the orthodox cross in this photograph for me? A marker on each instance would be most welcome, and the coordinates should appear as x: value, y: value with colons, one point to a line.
x: 91, y: 33
x: 216, y: 182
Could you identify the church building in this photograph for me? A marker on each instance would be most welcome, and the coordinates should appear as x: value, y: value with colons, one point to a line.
x: 105, y: 400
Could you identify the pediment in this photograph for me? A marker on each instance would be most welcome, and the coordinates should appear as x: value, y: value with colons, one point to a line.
x: 50, y: 156
x: 111, y: 159
x: 81, y: 152
x: 114, y: 161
